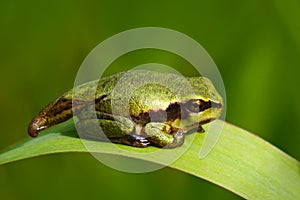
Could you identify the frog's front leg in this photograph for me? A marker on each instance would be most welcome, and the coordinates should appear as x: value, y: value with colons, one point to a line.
x: 161, y: 135
x: 117, y: 129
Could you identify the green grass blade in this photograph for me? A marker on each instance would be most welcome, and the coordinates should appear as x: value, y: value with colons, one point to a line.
x: 240, y: 162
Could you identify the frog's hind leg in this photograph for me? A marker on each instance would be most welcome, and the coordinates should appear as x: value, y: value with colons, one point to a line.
x: 161, y: 135
x: 115, y: 129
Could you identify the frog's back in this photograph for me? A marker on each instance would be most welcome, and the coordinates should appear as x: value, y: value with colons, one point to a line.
x: 135, y: 92
x: 142, y: 91
x: 94, y: 89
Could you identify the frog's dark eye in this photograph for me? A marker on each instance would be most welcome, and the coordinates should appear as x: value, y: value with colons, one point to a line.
x: 195, y: 106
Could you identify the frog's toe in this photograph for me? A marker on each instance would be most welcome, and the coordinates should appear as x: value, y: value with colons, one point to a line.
x: 141, y: 142
x: 135, y: 140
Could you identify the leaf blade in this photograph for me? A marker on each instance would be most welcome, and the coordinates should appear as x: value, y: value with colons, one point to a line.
x: 240, y: 162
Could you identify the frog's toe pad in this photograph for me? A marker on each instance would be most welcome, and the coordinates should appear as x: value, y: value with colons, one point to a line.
x: 136, y: 141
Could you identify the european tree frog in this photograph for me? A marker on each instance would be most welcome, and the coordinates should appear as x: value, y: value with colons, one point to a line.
x: 156, y: 117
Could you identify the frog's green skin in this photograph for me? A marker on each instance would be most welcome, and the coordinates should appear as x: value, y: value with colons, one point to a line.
x: 159, y: 116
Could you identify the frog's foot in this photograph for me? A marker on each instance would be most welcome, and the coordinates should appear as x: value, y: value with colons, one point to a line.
x: 200, y: 129
x: 132, y: 140
x: 178, y: 139
x: 160, y: 135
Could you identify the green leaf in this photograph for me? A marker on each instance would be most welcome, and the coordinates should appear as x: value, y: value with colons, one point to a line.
x: 240, y: 161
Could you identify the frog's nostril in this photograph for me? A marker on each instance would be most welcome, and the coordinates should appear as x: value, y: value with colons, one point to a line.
x: 216, y: 105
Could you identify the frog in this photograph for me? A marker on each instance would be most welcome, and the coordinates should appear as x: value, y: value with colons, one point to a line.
x: 149, y: 108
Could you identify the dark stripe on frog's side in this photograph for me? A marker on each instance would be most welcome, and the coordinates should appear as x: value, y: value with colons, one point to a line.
x: 174, y: 111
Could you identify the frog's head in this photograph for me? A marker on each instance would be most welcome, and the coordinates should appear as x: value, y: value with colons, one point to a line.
x: 205, y: 104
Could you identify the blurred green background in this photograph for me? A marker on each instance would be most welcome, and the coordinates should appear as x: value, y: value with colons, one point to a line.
x: 255, y: 44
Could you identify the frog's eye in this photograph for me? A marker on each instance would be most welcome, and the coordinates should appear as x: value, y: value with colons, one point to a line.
x: 195, y: 106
